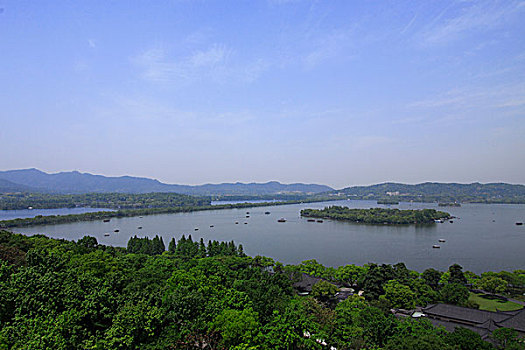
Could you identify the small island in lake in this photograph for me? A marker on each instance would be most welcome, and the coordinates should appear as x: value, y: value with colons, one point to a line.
x: 387, y: 201
x: 377, y: 215
x: 451, y: 204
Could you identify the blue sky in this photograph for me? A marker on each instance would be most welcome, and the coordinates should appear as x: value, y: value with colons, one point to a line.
x: 332, y: 92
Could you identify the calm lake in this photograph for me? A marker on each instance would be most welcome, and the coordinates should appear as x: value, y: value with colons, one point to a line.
x: 484, y: 237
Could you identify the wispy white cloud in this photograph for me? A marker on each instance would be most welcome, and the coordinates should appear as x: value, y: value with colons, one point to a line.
x: 498, y: 96
x: 471, y: 16
x: 409, y: 25
x: 211, y: 57
x: 216, y: 63
x: 326, y: 47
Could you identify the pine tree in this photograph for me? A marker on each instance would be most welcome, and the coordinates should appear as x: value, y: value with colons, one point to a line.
x: 172, y: 247
x: 202, y: 249
x: 240, y: 251
x: 162, y: 246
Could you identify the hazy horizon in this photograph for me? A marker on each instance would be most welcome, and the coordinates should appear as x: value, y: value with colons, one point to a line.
x: 337, y: 93
x: 265, y: 181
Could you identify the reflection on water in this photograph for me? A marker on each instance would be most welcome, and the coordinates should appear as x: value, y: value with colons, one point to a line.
x: 474, y: 240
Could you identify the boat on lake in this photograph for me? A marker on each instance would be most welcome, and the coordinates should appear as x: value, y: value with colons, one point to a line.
x: 247, y: 216
x: 140, y: 227
x: 266, y: 213
x: 281, y: 220
x: 519, y: 223
x: 106, y: 220
x: 211, y: 226
x: 196, y: 229
x: 320, y: 221
x: 436, y: 246
x: 116, y: 230
x: 311, y: 220
x: 236, y: 222
x: 106, y: 234
x: 441, y: 240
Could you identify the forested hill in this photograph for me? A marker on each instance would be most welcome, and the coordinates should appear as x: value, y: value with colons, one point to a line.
x: 8, y: 186
x: 76, y: 182
x: 434, y: 191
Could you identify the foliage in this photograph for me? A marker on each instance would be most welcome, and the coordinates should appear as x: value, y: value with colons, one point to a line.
x: 454, y: 293
x: 324, y: 290
x: 506, y: 338
x: 456, y: 275
x: 84, y: 295
x: 431, y: 277
x: 10, y: 201
x: 399, y: 295
x: 377, y: 215
x: 146, y: 246
x: 492, y: 284
x: 466, y: 339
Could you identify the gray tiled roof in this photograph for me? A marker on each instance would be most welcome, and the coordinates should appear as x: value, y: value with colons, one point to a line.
x: 306, y: 283
x: 464, y: 314
x: 517, y: 321
x: 451, y: 326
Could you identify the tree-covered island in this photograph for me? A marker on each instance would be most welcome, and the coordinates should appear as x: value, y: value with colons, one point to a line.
x: 377, y: 215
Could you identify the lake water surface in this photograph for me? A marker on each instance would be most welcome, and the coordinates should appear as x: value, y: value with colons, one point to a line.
x: 483, y: 238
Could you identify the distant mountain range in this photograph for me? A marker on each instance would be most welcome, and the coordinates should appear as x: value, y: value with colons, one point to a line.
x: 434, y: 191
x: 74, y: 182
x: 34, y: 180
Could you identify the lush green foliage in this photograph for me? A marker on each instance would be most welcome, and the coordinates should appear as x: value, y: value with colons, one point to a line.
x: 377, y: 215
x: 57, y: 294
x: 99, y: 200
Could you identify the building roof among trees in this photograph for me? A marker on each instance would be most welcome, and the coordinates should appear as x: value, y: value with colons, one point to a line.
x: 480, y: 321
x: 516, y: 321
x: 306, y: 283
x: 464, y: 314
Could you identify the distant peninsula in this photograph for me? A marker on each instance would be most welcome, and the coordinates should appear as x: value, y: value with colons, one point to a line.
x: 377, y: 215
x: 432, y: 192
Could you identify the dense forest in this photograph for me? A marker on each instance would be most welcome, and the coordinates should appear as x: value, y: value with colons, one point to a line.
x: 58, y: 294
x: 439, y: 192
x: 377, y: 215
x: 9, y: 201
